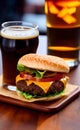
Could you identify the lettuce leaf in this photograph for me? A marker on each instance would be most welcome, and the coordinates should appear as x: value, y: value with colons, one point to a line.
x: 21, y: 67
x: 36, y: 73
x: 26, y: 95
x: 29, y: 96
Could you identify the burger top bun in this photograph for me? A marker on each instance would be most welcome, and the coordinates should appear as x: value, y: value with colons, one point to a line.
x: 44, y: 62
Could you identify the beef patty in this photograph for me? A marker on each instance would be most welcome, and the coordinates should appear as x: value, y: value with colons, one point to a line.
x: 55, y: 87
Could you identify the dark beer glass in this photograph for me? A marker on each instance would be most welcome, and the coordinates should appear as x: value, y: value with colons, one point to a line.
x: 63, y: 29
x: 18, y: 38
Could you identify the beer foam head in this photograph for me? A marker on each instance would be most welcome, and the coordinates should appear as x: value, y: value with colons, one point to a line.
x: 19, y: 32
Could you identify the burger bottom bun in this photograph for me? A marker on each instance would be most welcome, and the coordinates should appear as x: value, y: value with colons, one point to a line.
x: 67, y: 91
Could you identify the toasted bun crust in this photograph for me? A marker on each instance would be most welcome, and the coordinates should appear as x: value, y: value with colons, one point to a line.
x: 44, y: 62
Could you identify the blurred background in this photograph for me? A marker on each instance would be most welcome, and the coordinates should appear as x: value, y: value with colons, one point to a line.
x: 26, y: 10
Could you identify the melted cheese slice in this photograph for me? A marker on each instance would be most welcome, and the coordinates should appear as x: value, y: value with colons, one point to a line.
x: 44, y: 85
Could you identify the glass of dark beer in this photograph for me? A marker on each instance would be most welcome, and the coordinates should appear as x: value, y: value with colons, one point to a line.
x: 63, y: 29
x: 18, y: 38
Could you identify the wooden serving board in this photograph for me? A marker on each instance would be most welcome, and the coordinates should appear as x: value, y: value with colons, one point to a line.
x: 11, y: 97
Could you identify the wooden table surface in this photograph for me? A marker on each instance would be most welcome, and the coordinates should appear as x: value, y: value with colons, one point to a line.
x: 18, y: 118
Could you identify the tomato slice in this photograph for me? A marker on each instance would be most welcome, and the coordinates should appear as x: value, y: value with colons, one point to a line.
x: 58, y: 76
x: 49, y: 79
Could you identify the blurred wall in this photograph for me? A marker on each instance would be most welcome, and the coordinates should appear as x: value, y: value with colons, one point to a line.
x: 26, y: 10
x: 11, y: 10
x: 34, y: 12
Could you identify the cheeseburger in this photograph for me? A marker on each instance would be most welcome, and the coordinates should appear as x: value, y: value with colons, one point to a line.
x: 41, y: 77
